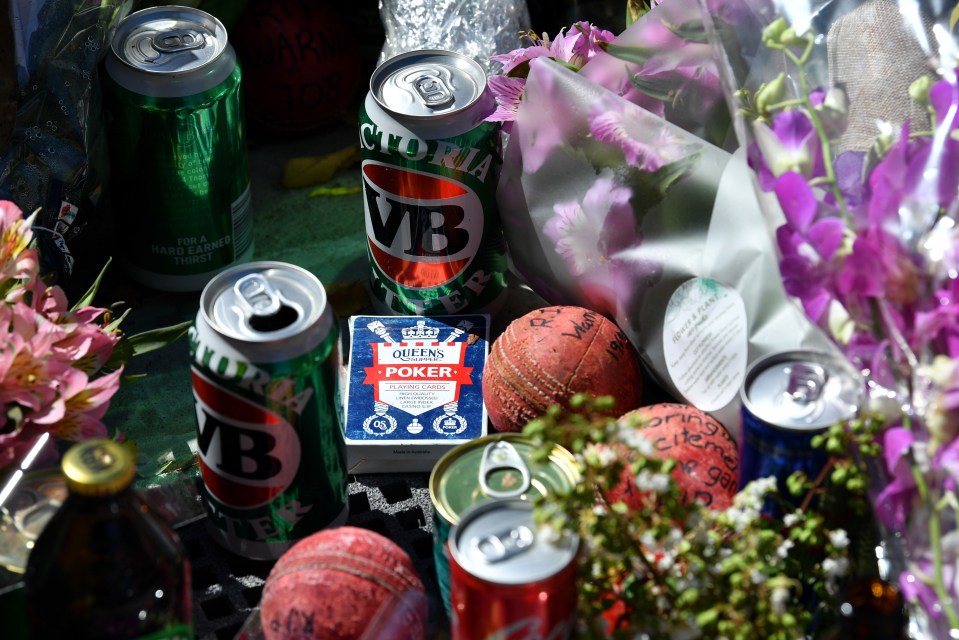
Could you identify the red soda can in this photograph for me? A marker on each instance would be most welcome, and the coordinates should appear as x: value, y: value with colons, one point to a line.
x: 509, y: 578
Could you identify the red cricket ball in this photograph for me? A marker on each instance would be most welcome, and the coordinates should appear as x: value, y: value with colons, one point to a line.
x: 300, y: 63
x: 343, y: 583
x: 707, y: 456
x: 550, y: 354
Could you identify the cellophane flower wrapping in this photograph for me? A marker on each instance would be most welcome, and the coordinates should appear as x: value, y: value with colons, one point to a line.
x: 849, y: 115
x: 56, y: 157
x: 622, y: 191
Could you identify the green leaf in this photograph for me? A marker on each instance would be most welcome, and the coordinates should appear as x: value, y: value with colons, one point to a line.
x: 662, y: 89
x: 154, y: 339
x: 690, y: 31
x: 954, y: 17
x: 707, y: 617
x: 636, y: 55
x: 87, y: 299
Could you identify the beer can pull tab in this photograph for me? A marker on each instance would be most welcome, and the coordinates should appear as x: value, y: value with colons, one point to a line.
x: 497, y: 547
x: 503, y: 455
x: 804, y: 391
x: 806, y: 382
x: 432, y: 90
x: 256, y: 293
x: 178, y: 40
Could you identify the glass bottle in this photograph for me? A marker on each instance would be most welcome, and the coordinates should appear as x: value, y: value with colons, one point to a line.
x: 106, y: 566
x: 872, y: 609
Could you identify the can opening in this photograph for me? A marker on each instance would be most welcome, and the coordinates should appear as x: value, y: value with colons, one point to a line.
x: 284, y: 317
x: 265, y: 307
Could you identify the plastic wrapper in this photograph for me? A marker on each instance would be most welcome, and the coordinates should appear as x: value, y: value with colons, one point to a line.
x: 849, y: 115
x: 55, y: 160
x: 474, y: 28
x: 622, y: 191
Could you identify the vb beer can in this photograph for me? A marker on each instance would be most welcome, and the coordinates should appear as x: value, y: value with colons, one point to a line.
x: 511, y: 579
x: 787, y: 399
x: 264, y: 359
x: 493, y: 467
x: 430, y: 165
x: 179, y: 167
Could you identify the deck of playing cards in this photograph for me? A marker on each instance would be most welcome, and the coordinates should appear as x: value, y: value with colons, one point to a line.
x: 413, y: 389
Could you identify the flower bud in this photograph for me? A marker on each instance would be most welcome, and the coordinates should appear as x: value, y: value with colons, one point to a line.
x: 770, y: 93
x: 773, y: 32
x: 919, y: 89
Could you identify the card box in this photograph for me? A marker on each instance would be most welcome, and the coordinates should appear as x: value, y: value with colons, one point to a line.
x: 413, y: 389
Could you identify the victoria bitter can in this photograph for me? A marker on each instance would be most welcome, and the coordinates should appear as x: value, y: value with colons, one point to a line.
x: 430, y: 164
x: 264, y: 366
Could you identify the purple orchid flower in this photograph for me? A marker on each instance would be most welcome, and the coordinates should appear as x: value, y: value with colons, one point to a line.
x: 790, y: 144
x: 806, y: 244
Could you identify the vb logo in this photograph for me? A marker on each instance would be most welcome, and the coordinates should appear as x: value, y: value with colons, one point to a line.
x: 423, y: 230
x: 248, y: 455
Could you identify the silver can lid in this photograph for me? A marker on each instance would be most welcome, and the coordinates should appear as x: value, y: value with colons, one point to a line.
x: 802, y: 390
x: 264, y: 302
x: 169, y: 39
x: 499, y: 542
x: 428, y: 83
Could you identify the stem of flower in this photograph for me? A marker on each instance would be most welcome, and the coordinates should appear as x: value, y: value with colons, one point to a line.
x: 945, y: 597
x: 824, y: 142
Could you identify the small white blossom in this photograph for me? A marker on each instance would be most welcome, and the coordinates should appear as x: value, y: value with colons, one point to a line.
x: 790, y: 519
x: 655, y: 482
x: 665, y: 562
x: 637, y: 441
x: 603, y: 455
x: 839, y: 538
x: 834, y: 568
x: 783, y: 550
x: 779, y: 599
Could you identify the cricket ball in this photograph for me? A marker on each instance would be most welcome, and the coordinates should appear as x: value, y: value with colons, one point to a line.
x: 550, y: 354
x: 342, y: 584
x: 707, y: 456
x: 300, y: 64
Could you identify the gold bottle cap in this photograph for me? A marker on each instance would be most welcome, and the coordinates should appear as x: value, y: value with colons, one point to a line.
x: 98, y: 467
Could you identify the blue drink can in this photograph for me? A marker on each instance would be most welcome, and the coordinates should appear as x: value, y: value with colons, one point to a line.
x: 787, y: 399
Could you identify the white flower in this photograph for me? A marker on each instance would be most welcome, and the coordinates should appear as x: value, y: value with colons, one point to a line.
x: 779, y: 599
x: 834, y: 568
x: 665, y: 562
x: 637, y: 441
x: 783, y: 550
x: 604, y: 456
x: 790, y: 519
x: 839, y: 538
x: 656, y: 482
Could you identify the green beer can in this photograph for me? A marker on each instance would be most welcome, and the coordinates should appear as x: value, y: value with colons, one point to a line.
x: 179, y: 165
x: 430, y: 165
x: 264, y: 360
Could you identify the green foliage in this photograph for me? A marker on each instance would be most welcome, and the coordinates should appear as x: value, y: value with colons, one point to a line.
x: 660, y: 568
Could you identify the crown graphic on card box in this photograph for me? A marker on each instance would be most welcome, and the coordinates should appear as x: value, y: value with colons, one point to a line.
x: 420, y: 332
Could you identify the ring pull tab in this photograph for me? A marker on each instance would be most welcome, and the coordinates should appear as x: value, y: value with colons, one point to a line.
x: 503, y: 455
x: 497, y: 547
x: 432, y: 90
x: 256, y: 293
x: 177, y: 41
x: 806, y: 383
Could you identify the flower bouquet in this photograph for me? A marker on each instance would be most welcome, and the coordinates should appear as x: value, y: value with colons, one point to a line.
x: 621, y: 192
x: 849, y: 112
x: 60, y: 364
